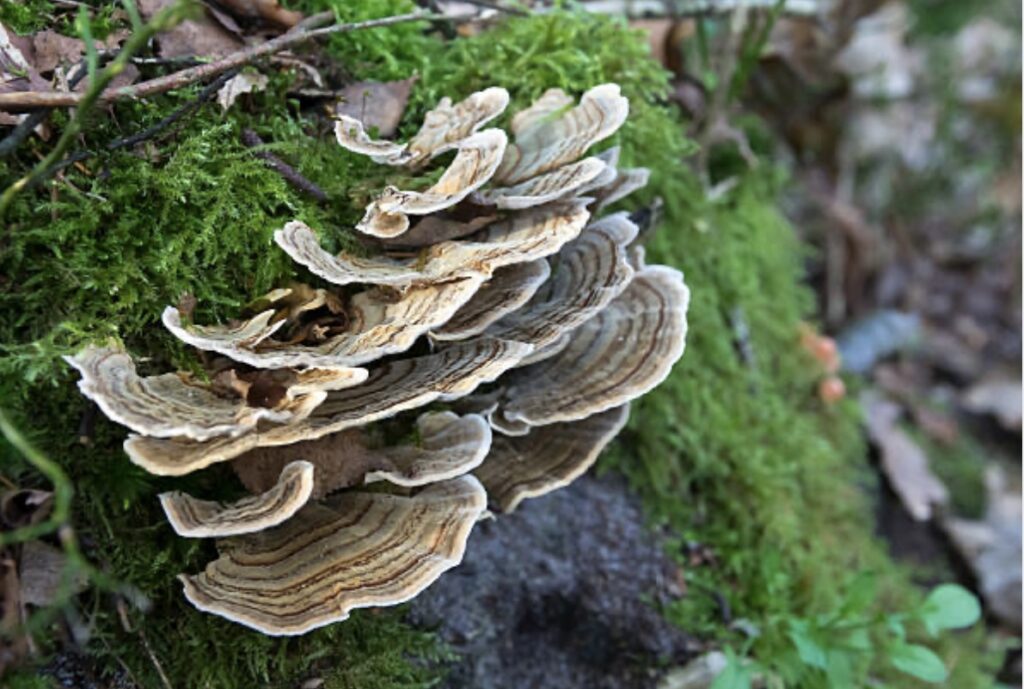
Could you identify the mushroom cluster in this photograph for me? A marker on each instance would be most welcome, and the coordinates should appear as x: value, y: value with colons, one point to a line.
x: 496, y: 291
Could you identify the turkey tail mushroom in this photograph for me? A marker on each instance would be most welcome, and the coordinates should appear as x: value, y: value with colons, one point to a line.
x: 196, y: 518
x: 616, y: 356
x: 351, y: 551
x: 393, y: 387
x: 546, y: 458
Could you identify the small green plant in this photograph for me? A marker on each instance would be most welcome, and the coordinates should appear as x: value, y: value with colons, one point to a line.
x: 825, y: 650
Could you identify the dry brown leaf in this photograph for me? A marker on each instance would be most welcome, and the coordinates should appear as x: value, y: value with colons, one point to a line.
x: 243, y: 82
x: 377, y: 104
x: 200, y: 37
x: 25, y: 507
x: 903, y: 461
x: 268, y: 10
x: 17, y: 71
x: 52, y: 49
x: 42, y: 572
x: 998, y: 395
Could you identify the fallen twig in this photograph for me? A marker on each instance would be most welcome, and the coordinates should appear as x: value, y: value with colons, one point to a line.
x: 208, y: 92
x: 290, y: 174
x: 28, y: 125
x: 29, y: 100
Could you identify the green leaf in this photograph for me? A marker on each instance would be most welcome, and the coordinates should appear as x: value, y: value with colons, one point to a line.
x: 949, y: 606
x: 807, y: 647
x: 736, y: 674
x: 919, y: 662
x: 839, y: 670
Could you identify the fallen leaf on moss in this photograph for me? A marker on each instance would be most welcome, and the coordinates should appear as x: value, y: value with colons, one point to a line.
x: 199, y: 37
x: 17, y: 72
x: 42, y: 571
x: 243, y: 82
x: 19, y: 508
x: 903, y: 461
x: 377, y: 104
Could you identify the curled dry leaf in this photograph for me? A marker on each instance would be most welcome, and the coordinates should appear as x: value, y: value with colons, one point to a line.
x: 248, y: 81
x: 508, y: 289
x: 352, y: 551
x: 392, y: 387
x: 196, y: 518
x: 903, y: 461
x: 616, y: 356
x: 24, y: 507
x: 476, y: 160
x: 546, y: 458
x: 523, y: 237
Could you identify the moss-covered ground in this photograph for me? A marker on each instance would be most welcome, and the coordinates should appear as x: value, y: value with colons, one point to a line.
x: 734, y: 451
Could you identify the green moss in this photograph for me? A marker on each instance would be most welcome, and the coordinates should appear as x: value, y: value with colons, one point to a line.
x: 961, y: 467
x: 25, y: 16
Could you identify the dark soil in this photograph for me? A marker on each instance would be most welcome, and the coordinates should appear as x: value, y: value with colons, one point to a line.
x: 562, y: 593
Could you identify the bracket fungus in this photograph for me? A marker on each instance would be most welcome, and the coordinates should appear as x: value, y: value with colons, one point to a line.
x: 393, y: 387
x: 477, y: 158
x: 496, y: 291
x: 449, y: 445
x: 379, y: 323
x: 546, y: 458
x: 545, y: 139
x: 522, y: 237
x: 206, y: 518
x: 616, y: 356
x: 443, y: 127
x: 508, y: 289
x: 354, y: 550
x: 175, y: 405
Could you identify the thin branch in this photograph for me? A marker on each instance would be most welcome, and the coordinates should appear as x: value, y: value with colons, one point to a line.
x: 208, y: 92
x: 28, y: 100
x: 28, y: 125
x: 290, y: 174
